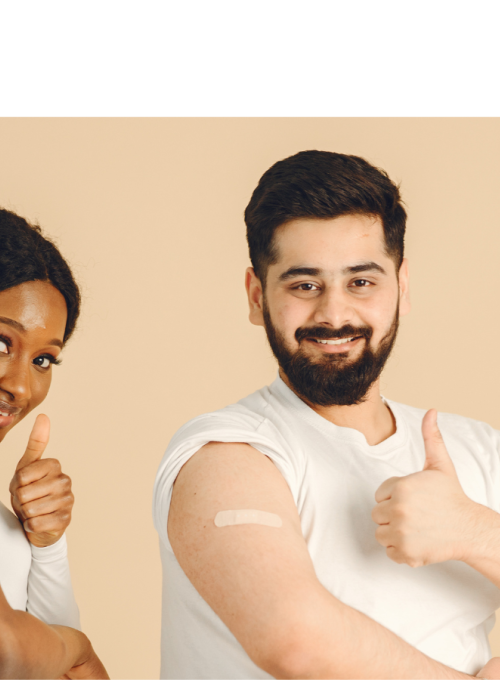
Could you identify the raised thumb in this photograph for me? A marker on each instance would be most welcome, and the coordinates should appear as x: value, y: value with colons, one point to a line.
x: 39, y: 438
x: 436, y: 454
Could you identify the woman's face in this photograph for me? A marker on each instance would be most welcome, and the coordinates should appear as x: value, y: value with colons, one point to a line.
x: 32, y: 322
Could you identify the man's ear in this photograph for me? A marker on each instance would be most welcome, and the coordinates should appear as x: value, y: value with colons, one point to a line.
x: 255, y: 297
x: 404, y: 288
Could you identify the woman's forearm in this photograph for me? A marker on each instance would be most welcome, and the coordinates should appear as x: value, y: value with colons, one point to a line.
x: 50, y: 593
x: 32, y: 649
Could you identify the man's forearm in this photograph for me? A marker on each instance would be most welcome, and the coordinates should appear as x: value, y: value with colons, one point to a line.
x: 360, y: 643
x: 372, y: 651
x: 336, y: 641
x: 483, y: 552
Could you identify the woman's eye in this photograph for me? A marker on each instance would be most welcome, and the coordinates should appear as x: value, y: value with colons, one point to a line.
x: 43, y: 361
x: 3, y: 347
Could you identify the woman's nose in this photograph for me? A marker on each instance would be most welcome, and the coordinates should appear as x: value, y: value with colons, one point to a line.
x: 15, y: 380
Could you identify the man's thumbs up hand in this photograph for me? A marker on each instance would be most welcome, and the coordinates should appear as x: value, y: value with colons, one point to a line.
x: 436, y: 455
x: 425, y: 517
x: 40, y: 493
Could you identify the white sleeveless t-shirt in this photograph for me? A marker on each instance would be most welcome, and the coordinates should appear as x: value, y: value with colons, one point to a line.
x: 445, y: 610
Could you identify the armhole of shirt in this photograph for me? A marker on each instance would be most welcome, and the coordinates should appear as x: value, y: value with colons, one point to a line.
x: 167, y: 474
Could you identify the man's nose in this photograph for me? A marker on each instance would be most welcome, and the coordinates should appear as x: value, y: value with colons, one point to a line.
x: 15, y: 379
x: 334, y: 308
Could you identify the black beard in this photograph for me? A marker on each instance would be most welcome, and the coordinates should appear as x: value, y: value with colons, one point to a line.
x: 331, y: 380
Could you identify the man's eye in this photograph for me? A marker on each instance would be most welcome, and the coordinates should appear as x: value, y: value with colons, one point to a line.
x: 361, y: 283
x: 307, y: 286
x: 3, y: 347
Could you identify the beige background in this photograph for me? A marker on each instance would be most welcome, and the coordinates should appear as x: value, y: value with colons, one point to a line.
x: 150, y: 214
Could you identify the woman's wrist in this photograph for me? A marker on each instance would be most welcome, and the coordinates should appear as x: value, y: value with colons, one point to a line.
x: 77, y: 645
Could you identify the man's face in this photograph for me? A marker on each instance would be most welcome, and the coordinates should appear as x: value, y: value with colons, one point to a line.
x: 331, y: 306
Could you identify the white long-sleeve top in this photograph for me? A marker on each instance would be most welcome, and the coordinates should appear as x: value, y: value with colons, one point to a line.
x: 36, y: 580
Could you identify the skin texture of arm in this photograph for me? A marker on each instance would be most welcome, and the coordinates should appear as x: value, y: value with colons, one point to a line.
x: 32, y: 649
x: 483, y: 551
x: 261, y: 582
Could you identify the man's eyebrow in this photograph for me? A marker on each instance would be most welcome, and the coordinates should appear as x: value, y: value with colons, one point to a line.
x: 22, y: 329
x: 299, y: 271
x: 364, y: 267
x: 314, y: 271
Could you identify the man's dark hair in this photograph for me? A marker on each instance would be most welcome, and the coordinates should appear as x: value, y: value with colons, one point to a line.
x: 321, y: 185
x: 26, y: 255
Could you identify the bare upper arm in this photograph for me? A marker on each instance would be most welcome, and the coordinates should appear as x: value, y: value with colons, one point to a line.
x: 8, y: 642
x: 251, y: 575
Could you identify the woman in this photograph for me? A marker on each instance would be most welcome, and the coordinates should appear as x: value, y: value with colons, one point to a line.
x: 39, y: 306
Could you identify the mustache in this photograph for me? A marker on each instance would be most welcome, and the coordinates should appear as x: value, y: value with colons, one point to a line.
x: 322, y: 333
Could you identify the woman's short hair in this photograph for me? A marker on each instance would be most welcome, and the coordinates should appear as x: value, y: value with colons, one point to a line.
x: 27, y: 255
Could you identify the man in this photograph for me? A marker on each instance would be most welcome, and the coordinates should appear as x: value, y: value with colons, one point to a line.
x: 273, y: 565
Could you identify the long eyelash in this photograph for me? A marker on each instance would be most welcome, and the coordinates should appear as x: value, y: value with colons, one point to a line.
x: 52, y: 359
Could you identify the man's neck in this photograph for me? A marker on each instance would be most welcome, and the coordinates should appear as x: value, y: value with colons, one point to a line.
x: 373, y: 418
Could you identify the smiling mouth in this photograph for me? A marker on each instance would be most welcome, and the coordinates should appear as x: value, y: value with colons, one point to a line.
x: 6, y: 410
x: 340, y: 341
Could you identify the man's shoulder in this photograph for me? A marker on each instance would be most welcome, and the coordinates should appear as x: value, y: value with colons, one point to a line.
x: 251, y: 420
x: 249, y: 414
x: 450, y: 424
x: 465, y: 428
x: 261, y: 420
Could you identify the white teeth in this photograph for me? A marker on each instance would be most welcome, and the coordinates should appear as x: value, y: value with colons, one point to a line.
x: 335, y: 342
x: 4, y: 414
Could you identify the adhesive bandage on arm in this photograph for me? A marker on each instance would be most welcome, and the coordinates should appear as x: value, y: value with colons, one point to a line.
x: 226, y: 518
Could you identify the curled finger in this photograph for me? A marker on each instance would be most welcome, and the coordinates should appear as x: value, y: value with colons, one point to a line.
x: 383, y: 534
x: 54, y: 522
x: 47, y: 506
x: 48, y: 486
x: 381, y: 513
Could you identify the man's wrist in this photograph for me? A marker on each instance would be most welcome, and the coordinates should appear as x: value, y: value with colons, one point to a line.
x: 482, y: 540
